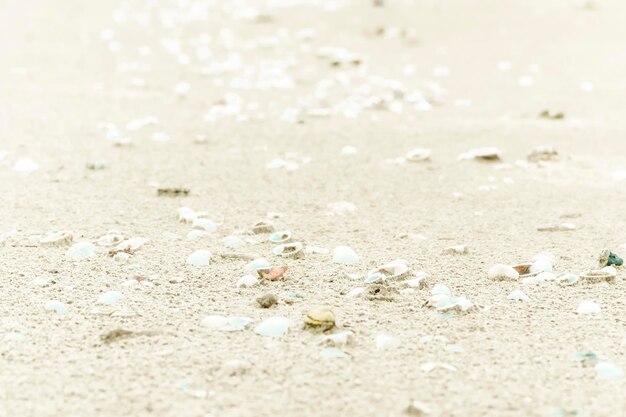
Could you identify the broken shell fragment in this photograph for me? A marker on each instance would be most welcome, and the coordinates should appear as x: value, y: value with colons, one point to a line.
x: 393, y: 270
x: 567, y: 279
x: 355, y: 292
x: 57, y: 238
x: 289, y: 250
x: 502, y: 272
x: 542, y: 153
x: 280, y: 237
x: 247, y: 281
x: 112, y: 237
x: 489, y: 153
x: 608, y: 258
x: 320, y: 318
x: 418, y: 155
x: 262, y: 227
x: 273, y: 273
x: 131, y: 245
x: 524, y: 270
x: 553, y: 227
x: 204, y: 224
x: 267, y: 300
x: 597, y: 276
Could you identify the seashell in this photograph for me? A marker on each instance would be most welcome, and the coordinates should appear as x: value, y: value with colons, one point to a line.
x: 247, y: 281
x: 187, y: 215
x: 418, y: 281
x: 608, y: 258
x: 454, y: 304
x: 567, y: 279
x: 262, y: 227
x: 340, y: 339
x: 502, y: 272
x: 600, y: 275
x: 225, y: 324
x: 608, y: 370
x: 196, y: 234
x: 431, y: 366
x: 524, y: 270
x: 255, y: 265
x: 539, y: 278
x: 56, y: 306
x: 333, y: 353
x: 112, y: 237
x: 540, y: 265
x: 80, y: 251
x: 320, y: 318
x: 542, y: 153
x: 273, y: 273
x: 57, y: 238
x: 280, y: 237
x: 544, y: 255
x: 489, y: 153
x: 273, y: 327
x: 204, y: 224
x: 355, y: 292
x: 131, y: 245
x: 440, y: 289
x: 554, y: 227
x: 289, y: 250
x: 233, y: 242
x: 393, y: 270
x: 418, y: 155
x: 267, y: 300
x: 345, y: 255
x: 384, y: 342
x: 518, y: 295
x: 588, y: 307
x: 199, y: 257
x: 110, y: 297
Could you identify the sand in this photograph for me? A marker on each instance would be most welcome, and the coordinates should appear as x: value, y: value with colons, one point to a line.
x: 62, y: 74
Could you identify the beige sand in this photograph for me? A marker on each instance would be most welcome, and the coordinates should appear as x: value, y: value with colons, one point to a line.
x: 59, y: 80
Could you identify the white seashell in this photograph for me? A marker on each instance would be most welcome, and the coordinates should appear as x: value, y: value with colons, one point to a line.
x: 502, y: 272
x: 186, y: 215
x: 393, y: 270
x: 196, y: 234
x: 199, y: 257
x: 113, y: 237
x: 418, y: 280
x: 259, y: 263
x: 431, y: 366
x: 518, y: 295
x: 418, y: 155
x: 567, y: 279
x: 440, y: 289
x: 384, y: 342
x: 247, y: 281
x: 540, y: 265
x: 340, y: 339
x: 204, y: 224
x: 233, y: 242
x: 131, y: 245
x: 280, y: 237
x: 110, y: 297
x: 56, y: 306
x: 345, y: 255
x: 546, y: 276
x: 57, y: 238
x: 608, y: 370
x: 349, y: 150
x: 273, y: 327
x: 610, y: 270
x: 80, y: 251
x: 25, y: 166
x: 588, y: 307
x: 355, y: 292
x: 289, y: 250
x: 225, y: 324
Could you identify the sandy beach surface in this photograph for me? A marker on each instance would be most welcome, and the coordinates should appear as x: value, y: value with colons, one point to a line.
x: 301, y: 113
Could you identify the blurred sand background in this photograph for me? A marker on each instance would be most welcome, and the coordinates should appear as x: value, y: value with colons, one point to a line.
x: 67, y: 67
